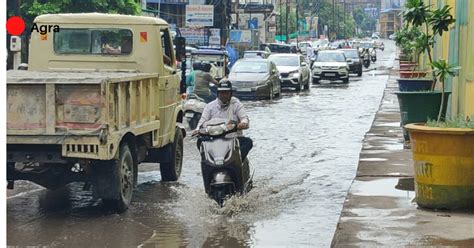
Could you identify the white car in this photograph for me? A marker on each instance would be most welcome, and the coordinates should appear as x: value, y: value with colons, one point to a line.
x: 330, y: 65
x: 294, y: 71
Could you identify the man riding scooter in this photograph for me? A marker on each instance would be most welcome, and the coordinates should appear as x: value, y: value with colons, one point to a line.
x: 230, y: 108
x: 224, y: 164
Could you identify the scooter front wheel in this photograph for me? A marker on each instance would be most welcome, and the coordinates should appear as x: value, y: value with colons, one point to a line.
x: 221, y: 193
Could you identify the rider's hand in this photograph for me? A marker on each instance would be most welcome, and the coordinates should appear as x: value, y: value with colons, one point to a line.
x: 242, y: 125
x: 195, y: 133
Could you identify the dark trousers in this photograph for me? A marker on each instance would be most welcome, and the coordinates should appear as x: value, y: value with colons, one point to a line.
x: 246, y: 145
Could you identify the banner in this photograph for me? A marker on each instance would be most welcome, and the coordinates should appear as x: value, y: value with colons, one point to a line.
x: 201, y: 36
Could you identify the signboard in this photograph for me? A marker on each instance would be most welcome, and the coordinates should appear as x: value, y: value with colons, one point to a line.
x: 199, y: 15
x: 253, y: 23
x: 240, y: 36
x: 201, y: 36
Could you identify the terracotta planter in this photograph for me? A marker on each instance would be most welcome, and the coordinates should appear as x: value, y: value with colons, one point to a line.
x: 444, y: 166
x: 412, y: 74
x: 407, y: 67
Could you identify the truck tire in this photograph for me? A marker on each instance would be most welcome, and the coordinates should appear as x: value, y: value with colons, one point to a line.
x: 122, y: 179
x: 171, y: 170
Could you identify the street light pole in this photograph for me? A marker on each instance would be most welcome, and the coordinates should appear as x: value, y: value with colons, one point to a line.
x: 297, y: 24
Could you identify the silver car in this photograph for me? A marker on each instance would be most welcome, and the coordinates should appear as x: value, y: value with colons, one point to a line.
x: 330, y: 65
x: 294, y: 70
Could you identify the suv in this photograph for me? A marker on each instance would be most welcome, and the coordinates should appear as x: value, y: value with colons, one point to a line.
x: 354, y: 61
x: 330, y: 65
x: 294, y: 70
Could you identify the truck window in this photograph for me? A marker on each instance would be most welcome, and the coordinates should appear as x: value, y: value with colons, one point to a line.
x: 93, y: 41
x: 167, y: 48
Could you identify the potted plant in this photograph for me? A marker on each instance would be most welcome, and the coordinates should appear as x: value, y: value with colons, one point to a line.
x: 418, y: 104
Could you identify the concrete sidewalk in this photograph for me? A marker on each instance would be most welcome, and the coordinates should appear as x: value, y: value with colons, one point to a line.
x: 379, y: 209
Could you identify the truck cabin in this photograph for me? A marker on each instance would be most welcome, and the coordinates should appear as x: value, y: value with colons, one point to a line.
x: 95, y: 41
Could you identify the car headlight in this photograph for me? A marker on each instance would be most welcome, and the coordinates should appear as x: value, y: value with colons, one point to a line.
x: 294, y: 75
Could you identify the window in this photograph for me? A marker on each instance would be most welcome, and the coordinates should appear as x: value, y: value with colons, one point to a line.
x: 93, y: 41
x: 166, y: 46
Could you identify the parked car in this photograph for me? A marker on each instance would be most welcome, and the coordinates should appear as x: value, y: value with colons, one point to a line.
x: 330, y: 65
x: 304, y: 46
x: 255, y: 78
x: 354, y: 61
x: 294, y: 70
x: 256, y: 54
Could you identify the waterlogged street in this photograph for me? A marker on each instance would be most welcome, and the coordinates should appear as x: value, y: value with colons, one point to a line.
x: 306, y: 149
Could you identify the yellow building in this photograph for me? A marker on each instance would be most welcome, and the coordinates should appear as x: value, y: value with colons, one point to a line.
x: 457, y: 48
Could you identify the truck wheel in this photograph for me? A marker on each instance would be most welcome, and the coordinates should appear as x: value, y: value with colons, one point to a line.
x: 122, y: 179
x: 172, y: 170
x: 346, y: 80
x: 359, y: 74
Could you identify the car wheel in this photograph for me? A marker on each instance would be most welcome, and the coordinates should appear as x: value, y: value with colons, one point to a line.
x: 359, y: 74
x: 346, y: 80
x: 315, y: 81
x: 298, y: 87
x: 271, y: 92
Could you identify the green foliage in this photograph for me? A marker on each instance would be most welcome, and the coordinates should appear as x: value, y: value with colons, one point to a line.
x: 441, y: 19
x: 455, y: 122
x: 442, y: 69
x: 416, y: 12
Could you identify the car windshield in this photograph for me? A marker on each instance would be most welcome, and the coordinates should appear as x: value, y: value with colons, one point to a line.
x: 250, y: 67
x: 285, y: 61
x: 366, y: 45
x: 330, y: 57
x: 351, y: 54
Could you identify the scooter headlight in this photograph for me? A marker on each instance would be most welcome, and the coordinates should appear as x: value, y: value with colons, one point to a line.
x: 216, y: 130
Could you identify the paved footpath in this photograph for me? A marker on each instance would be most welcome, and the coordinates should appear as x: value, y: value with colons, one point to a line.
x: 379, y: 209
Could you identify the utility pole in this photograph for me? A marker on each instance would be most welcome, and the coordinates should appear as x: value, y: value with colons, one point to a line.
x: 281, y: 23
x: 297, y: 23
x: 286, y: 25
x: 344, y: 12
x: 333, y: 29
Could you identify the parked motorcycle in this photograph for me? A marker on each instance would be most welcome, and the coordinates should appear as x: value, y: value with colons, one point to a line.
x: 223, y: 171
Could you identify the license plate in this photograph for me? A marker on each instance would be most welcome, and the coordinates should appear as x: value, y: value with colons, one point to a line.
x: 190, y: 115
x: 244, y: 89
x: 330, y: 74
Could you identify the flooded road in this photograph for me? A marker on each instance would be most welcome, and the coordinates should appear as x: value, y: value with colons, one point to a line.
x: 306, y: 150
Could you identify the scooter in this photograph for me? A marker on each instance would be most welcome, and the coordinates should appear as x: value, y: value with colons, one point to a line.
x: 223, y: 171
x: 193, y: 109
x: 366, y: 60
x: 373, y: 55
x: 194, y: 106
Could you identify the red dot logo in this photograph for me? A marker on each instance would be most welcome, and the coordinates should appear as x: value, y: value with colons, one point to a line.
x: 15, y: 25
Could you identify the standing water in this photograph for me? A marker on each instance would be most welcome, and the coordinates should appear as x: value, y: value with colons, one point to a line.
x: 305, y: 155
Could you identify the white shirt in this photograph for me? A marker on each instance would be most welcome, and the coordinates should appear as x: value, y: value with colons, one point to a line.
x: 234, y: 111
